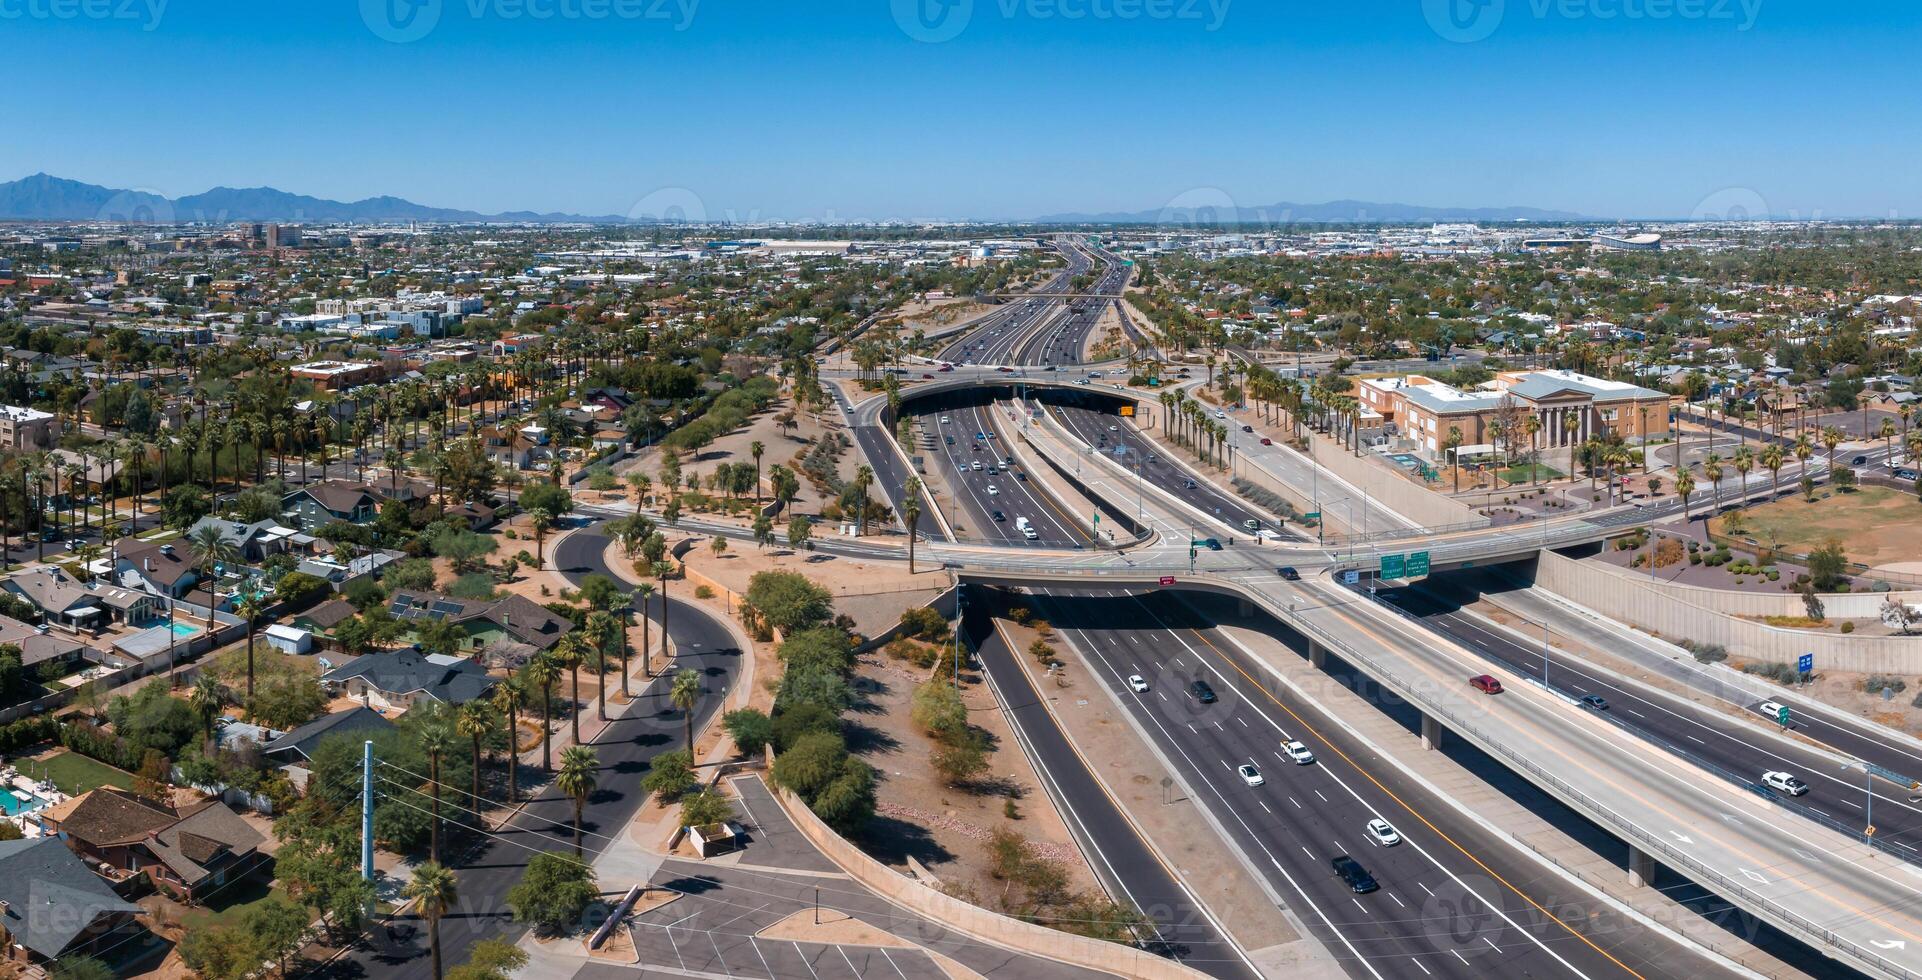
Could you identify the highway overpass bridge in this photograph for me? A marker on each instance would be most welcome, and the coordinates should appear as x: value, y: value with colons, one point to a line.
x: 1832, y: 890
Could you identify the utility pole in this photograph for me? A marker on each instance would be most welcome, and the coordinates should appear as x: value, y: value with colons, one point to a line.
x: 367, y: 810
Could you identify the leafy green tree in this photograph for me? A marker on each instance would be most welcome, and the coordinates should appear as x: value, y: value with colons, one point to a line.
x: 704, y: 808
x: 788, y: 601
x: 490, y: 959
x: 750, y: 728
x: 553, y: 894
x: 669, y: 775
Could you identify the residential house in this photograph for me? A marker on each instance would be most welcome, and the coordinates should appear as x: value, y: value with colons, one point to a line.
x: 317, y: 505
x: 161, y: 568
x: 188, y: 852
x: 256, y: 542
x: 397, y: 680
x: 52, y: 905
x: 298, y: 746
x: 66, y: 604
x: 515, y: 618
x: 323, y: 618
x: 39, y: 646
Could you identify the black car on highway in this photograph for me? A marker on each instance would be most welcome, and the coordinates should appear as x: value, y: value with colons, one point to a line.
x: 1203, y: 693
x: 1350, y: 870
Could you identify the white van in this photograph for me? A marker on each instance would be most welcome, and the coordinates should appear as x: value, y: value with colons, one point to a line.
x: 1027, y: 530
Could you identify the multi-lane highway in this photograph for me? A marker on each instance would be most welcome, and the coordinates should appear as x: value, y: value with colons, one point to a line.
x: 1737, y: 750
x: 1104, y: 432
x: 1451, y: 900
x: 991, y: 494
x: 1126, y: 864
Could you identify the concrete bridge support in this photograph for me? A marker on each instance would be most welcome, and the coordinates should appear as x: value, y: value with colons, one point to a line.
x: 1431, y: 733
x: 1641, y: 867
x: 1245, y: 607
x: 1317, y: 655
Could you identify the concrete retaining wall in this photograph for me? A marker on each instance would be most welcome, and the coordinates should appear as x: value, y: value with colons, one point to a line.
x: 979, y: 923
x: 1847, y: 605
x: 1663, y: 608
x: 1390, y: 489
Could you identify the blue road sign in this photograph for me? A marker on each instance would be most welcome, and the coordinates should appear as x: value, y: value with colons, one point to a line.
x: 1806, y: 663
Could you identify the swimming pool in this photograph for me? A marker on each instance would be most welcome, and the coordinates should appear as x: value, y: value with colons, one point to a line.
x: 182, y: 629
x: 17, y: 801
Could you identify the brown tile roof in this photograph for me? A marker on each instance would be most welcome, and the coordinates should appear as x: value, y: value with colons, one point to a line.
x: 107, y: 816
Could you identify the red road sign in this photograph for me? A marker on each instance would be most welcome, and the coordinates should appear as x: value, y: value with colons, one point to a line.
x: 1167, y: 580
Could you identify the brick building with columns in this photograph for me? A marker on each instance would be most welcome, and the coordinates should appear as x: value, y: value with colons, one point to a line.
x: 1572, y: 407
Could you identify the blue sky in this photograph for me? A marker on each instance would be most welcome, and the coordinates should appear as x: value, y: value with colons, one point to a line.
x: 841, y: 108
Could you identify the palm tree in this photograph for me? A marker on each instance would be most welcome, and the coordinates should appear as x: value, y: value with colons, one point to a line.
x: 1571, y: 423
x: 1803, y: 449
x: 863, y: 479
x: 509, y: 697
x: 755, y: 449
x: 1684, y: 487
x: 1712, y: 468
x: 1744, y: 461
x: 1887, y: 432
x: 542, y: 672
x: 570, y: 652
x: 207, y: 699
x: 1831, y: 437
x: 1533, y: 426
x: 576, y: 779
x: 209, y: 548
x: 662, y: 569
x: 911, y: 513
x: 250, y: 608
x: 434, y: 889
x: 1772, y: 461
x: 601, y: 632
x: 641, y: 594
x: 435, y: 740
x: 542, y: 519
x: 685, y: 694
x: 472, y: 721
x: 1449, y: 444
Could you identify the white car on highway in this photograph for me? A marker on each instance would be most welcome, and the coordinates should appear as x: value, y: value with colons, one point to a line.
x: 1782, y: 782
x: 1137, y: 683
x: 994, y: 491
x: 944, y: 420
x: 1383, y: 832
x: 1249, y: 774
x: 1297, y: 752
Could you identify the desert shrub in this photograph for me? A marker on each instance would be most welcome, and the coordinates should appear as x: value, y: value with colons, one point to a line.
x: 1877, y: 683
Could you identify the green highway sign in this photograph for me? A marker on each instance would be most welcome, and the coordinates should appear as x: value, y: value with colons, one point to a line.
x: 1313, y: 515
x: 1394, y: 566
x: 1782, y: 715
x: 1418, y: 565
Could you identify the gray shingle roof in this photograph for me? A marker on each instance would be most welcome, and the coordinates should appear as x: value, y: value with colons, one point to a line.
x: 52, y: 899
x: 408, y: 671
x: 303, y: 740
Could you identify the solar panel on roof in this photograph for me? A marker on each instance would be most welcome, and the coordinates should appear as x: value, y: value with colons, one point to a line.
x: 448, y: 608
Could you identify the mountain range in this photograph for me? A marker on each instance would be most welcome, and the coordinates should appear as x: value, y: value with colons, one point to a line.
x: 42, y: 197
x: 1331, y: 212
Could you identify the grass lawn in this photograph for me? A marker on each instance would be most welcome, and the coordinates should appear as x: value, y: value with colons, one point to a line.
x: 226, y: 906
x: 1875, y: 525
x: 1520, y: 474
x: 75, y: 773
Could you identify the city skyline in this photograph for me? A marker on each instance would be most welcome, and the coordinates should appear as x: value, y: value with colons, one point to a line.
x: 989, y: 110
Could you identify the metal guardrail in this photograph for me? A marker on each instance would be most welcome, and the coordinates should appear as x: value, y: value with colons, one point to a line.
x: 1608, y: 816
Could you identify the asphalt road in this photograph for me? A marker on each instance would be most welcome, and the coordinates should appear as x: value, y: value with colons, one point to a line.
x: 546, y: 824
x: 1105, y: 432
x: 1741, y: 750
x: 978, y: 494
x: 1126, y: 865
x: 1453, y: 900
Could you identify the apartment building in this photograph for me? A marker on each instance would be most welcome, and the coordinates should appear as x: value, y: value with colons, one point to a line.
x: 27, y: 428
x: 1571, y: 407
